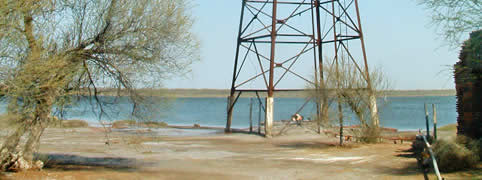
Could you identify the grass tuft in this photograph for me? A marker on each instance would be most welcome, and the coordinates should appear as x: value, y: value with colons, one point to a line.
x: 147, y: 124
x: 450, y: 127
x: 74, y: 124
x: 123, y: 124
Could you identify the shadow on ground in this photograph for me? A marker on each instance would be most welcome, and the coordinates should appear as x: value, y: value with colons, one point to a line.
x: 68, y: 162
x: 406, y: 154
x: 407, y: 169
x: 313, y: 145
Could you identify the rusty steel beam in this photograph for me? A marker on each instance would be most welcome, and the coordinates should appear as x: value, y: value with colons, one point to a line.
x: 307, y: 42
x: 268, y: 124
x: 344, y: 28
x: 233, y: 89
x: 285, y: 2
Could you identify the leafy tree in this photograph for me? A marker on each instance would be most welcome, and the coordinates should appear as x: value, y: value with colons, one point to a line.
x: 51, y: 49
x: 455, y: 17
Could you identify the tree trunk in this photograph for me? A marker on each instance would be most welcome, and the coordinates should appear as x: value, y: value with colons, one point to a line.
x: 340, y: 116
x: 33, y: 142
x: 20, y: 160
x: 374, y: 110
x: 9, y: 147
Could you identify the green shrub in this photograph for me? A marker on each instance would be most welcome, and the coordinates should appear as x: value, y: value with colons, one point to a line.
x: 476, y: 147
x: 452, y: 156
x: 473, y: 145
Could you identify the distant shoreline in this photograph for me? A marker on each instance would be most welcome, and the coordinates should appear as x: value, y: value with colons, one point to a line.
x: 221, y: 93
x: 224, y: 93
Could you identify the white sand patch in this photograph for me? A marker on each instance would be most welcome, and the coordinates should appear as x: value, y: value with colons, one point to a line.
x: 330, y: 159
x: 210, y: 154
x: 157, y: 143
x: 167, y: 144
x: 75, y: 143
x: 52, y: 139
x: 366, y: 159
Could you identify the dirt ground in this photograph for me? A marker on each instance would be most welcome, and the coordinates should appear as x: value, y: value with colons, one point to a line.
x: 84, y: 154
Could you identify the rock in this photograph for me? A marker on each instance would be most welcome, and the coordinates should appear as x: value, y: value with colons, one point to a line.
x: 17, y: 163
x: 38, y: 165
x: 197, y: 126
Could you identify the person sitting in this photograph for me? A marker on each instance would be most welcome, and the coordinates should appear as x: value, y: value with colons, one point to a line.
x: 297, y: 118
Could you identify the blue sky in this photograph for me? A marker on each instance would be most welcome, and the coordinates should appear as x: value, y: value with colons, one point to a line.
x: 398, y: 35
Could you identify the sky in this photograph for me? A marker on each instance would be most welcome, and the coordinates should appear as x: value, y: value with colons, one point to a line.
x: 398, y: 34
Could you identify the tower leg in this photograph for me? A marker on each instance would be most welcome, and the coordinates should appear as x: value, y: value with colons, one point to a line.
x: 268, y: 124
x: 230, y: 114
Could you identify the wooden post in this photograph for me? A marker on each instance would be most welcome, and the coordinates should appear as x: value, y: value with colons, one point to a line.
x: 426, y: 120
x: 259, y: 118
x: 434, y: 121
x: 250, y: 115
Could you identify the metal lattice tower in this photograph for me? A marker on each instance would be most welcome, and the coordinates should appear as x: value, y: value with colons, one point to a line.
x: 290, y: 39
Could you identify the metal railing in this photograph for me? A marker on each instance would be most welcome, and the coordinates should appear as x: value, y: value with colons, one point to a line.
x: 427, y: 146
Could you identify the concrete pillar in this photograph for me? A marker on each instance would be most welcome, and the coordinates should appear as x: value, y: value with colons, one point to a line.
x: 268, y: 124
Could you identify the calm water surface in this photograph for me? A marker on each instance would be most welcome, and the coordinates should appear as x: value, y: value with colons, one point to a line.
x: 404, y: 113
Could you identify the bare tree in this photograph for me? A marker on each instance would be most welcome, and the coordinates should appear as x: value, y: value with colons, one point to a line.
x: 51, y: 49
x: 455, y: 18
x: 347, y: 87
x: 352, y: 91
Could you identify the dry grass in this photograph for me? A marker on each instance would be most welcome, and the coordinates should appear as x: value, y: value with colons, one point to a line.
x: 452, y: 156
x: 450, y: 127
x: 7, y: 121
x: 369, y: 135
x: 123, y: 124
x: 153, y: 124
x: 129, y: 123
x: 74, y: 124
x: 134, y: 140
x: 3, y: 121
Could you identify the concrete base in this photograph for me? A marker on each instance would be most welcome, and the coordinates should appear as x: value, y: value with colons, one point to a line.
x: 268, y: 125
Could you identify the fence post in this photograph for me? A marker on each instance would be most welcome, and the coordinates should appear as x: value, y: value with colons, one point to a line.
x: 250, y: 115
x: 259, y: 118
x: 434, y: 121
x: 426, y: 120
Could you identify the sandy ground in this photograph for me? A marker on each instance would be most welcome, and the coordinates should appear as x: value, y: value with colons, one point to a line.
x: 84, y: 154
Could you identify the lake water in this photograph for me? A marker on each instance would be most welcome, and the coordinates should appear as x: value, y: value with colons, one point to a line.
x: 404, y: 113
